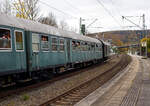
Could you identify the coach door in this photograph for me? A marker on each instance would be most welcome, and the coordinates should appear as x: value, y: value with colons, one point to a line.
x: 35, y: 51
x: 19, y: 45
x: 68, y: 50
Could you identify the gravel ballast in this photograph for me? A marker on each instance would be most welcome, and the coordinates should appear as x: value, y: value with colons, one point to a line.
x: 38, y: 96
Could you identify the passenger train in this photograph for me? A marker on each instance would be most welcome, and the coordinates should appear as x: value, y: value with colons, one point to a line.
x: 30, y: 50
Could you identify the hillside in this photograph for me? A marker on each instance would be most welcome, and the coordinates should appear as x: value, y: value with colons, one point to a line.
x: 122, y: 37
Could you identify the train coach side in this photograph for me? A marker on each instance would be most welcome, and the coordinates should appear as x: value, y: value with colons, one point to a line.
x: 12, y: 54
x: 58, y: 53
x: 28, y: 49
x: 47, y: 52
x: 83, y: 51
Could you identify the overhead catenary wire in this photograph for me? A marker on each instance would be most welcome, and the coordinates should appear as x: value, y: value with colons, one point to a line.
x: 100, y: 3
x: 78, y: 10
x: 58, y: 10
x: 117, y: 10
x: 72, y: 6
x: 126, y: 16
x: 132, y: 22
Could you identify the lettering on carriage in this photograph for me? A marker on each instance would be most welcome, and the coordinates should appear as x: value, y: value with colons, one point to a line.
x: 5, y: 39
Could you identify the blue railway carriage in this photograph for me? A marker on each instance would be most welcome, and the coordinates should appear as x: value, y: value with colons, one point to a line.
x: 29, y: 49
x: 12, y: 51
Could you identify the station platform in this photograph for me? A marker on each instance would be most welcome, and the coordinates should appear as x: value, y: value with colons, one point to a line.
x: 130, y: 87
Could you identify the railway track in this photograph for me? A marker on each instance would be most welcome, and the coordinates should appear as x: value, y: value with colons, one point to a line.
x: 74, y: 95
x: 15, y: 90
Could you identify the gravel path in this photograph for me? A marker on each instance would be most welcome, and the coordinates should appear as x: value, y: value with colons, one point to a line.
x: 45, y: 93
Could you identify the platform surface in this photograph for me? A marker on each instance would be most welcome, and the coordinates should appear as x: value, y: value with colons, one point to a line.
x: 130, y: 87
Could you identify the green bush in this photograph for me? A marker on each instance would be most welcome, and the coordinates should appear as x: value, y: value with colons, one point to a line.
x: 25, y: 97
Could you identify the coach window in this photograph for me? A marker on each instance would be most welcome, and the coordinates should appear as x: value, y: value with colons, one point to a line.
x: 44, y: 43
x: 61, y: 46
x: 78, y: 46
x: 5, y: 39
x: 86, y: 47
x: 35, y: 42
x: 92, y: 46
x: 100, y: 48
x: 54, y: 44
x: 89, y: 48
x: 73, y: 45
x: 82, y: 46
x: 19, y: 40
x: 96, y: 47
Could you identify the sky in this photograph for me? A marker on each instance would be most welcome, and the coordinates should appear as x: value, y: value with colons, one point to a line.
x: 107, y: 13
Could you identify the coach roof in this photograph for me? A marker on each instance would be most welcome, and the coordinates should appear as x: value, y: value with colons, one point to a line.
x: 41, y: 28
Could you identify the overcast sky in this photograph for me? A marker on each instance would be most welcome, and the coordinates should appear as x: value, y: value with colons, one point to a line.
x: 109, y: 15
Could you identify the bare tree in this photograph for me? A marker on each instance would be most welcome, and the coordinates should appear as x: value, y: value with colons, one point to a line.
x: 63, y: 25
x: 6, y: 7
x: 27, y: 9
x: 33, y: 9
x: 49, y: 20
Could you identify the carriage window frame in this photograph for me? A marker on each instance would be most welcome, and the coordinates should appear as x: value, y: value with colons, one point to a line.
x: 45, y: 49
x: 62, y: 44
x: 73, y: 45
x: 36, y: 34
x: 22, y: 40
x: 78, y: 45
x: 100, y: 48
x: 86, y: 46
x: 92, y: 47
x: 82, y: 46
x: 7, y: 49
x: 89, y: 47
x: 96, y: 47
x: 81, y: 49
x: 54, y: 44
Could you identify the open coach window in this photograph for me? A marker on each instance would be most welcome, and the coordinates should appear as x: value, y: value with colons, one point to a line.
x: 73, y: 45
x: 5, y: 39
x: 44, y: 43
x: 78, y: 46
